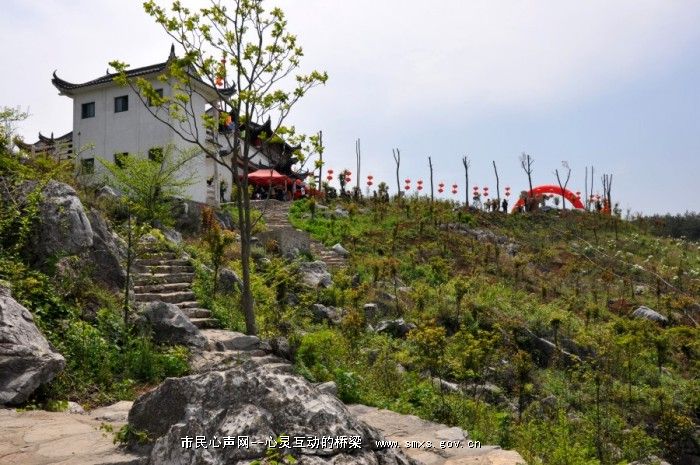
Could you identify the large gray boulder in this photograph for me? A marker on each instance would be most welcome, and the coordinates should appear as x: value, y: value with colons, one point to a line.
x: 228, y: 281
x: 27, y: 360
x: 323, y: 314
x: 397, y: 328
x: 315, y: 274
x: 258, y: 401
x: 171, y: 326
x: 105, y: 255
x: 290, y: 242
x: 63, y: 227
x: 648, y: 314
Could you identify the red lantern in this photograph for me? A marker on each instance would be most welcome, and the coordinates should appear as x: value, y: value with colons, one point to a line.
x: 370, y: 177
x: 476, y: 188
x: 441, y: 185
x: 329, y: 178
x: 407, y: 187
x: 454, y: 186
x: 578, y: 194
x: 369, y: 183
x: 419, y: 182
x: 408, y: 181
x: 420, y: 188
x: 507, y: 194
x: 454, y: 191
x: 441, y: 190
x: 486, y: 188
x: 486, y: 194
x: 507, y: 188
x: 330, y: 171
x: 348, y: 173
x: 347, y: 179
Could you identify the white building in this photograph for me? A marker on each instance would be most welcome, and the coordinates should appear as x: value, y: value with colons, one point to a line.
x: 111, y: 121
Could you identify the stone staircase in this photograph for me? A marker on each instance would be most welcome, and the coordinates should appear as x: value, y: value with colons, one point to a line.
x: 165, y: 276
x: 276, y: 216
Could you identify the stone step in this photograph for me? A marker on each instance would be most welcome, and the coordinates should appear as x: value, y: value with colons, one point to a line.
x: 195, y: 312
x: 188, y: 304
x: 161, y: 261
x: 205, y: 323
x: 163, y: 287
x: 159, y: 269
x: 169, y: 297
x: 142, y: 279
x: 160, y: 255
x: 221, y: 340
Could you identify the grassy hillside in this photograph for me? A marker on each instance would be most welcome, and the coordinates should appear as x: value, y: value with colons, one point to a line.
x: 535, y: 307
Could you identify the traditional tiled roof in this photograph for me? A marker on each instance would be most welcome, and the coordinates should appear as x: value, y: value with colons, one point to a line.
x: 67, y: 87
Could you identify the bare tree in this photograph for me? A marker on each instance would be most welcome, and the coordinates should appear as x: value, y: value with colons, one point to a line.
x: 498, y: 186
x: 397, y: 159
x: 607, y: 186
x: 358, y: 156
x: 467, y: 163
x: 319, y: 164
x: 585, y: 190
x: 526, y: 162
x: 432, y: 193
x: 250, y: 82
x: 564, y: 164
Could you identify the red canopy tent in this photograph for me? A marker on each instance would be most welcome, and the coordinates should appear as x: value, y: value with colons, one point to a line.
x: 266, y: 177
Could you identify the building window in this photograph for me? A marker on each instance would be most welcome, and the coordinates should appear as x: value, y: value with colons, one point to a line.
x: 120, y: 159
x: 87, y: 165
x: 87, y: 110
x: 121, y: 103
x: 156, y: 154
x: 159, y: 92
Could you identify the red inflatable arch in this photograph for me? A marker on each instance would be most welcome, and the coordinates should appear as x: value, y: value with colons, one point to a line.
x: 551, y: 189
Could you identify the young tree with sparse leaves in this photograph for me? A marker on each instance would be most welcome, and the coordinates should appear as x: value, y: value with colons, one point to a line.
x: 246, y: 54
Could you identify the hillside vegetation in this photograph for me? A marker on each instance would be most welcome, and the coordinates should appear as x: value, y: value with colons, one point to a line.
x: 525, y: 318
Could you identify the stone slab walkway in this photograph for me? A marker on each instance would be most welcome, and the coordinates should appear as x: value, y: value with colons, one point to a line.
x: 38, y: 437
x: 397, y: 427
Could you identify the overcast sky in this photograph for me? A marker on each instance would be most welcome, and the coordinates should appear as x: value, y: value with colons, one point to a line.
x: 615, y: 84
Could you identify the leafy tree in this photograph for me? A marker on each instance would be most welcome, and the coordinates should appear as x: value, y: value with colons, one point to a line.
x: 146, y: 184
x: 249, y: 48
x: 149, y: 183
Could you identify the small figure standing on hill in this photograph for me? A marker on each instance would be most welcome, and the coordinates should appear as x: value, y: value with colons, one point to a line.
x: 504, y: 205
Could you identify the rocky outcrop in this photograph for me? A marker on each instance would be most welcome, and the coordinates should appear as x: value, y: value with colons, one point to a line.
x: 170, y: 325
x: 340, y: 250
x: 396, y: 328
x: 257, y: 401
x: 63, y: 227
x: 323, y: 314
x: 26, y: 358
x: 105, y: 254
x: 229, y: 281
x: 646, y: 313
x: 315, y: 274
x: 290, y: 242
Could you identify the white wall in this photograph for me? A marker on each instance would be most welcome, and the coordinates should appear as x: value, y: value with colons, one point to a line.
x: 134, y: 131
